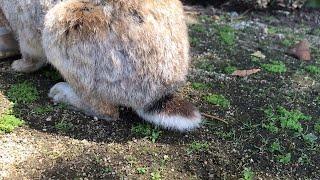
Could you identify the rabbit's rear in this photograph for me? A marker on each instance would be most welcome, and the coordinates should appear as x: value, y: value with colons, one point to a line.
x: 133, y: 53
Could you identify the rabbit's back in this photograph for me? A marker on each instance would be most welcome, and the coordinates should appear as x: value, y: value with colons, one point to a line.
x: 138, y: 54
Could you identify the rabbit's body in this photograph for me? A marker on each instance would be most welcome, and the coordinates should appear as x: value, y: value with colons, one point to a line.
x: 111, y: 52
x: 8, y: 44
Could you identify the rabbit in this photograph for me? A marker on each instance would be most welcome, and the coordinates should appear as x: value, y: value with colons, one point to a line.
x: 8, y: 45
x: 111, y: 53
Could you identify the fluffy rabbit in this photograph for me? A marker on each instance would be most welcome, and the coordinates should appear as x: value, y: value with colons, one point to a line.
x: 133, y: 53
x: 8, y: 45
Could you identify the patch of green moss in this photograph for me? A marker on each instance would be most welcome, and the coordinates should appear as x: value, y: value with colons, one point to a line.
x: 278, y: 29
x: 194, y: 41
x: 226, y: 35
x: 205, y: 64
x: 275, y: 147
x: 217, y: 99
x: 229, y: 69
x: 198, y: 28
x: 64, y: 126
x: 53, y: 75
x: 275, y: 67
x: 284, y: 159
x: 43, y: 110
x: 197, y: 147
x: 146, y: 130
x: 317, y: 127
x: 316, y: 32
x: 23, y: 93
x: 313, y: 69
x: 198, y: 86
x: 9, y: 122
x: 286, y: 119
x: 248, y: 174
x: 287, y: 42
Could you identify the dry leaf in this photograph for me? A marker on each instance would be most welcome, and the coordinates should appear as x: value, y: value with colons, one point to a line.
x: 245, y: 73
x: 258, y: 54
x: 215, y: 18
x: 301, y: 50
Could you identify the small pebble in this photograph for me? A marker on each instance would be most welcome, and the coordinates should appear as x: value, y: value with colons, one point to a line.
x: 280, y: 36
x: 233, y: 14
x: 49, y: 118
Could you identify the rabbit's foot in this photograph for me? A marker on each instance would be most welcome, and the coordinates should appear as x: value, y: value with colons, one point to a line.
x: 27, y: 65
x: 63, y: 93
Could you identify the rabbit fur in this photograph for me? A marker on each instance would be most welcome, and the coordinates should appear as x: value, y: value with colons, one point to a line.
x: 110, y: 52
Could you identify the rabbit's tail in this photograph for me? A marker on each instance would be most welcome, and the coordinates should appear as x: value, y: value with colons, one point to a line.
x: 172, y: 112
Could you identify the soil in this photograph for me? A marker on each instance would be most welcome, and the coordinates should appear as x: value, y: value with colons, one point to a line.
x: 99, y: 149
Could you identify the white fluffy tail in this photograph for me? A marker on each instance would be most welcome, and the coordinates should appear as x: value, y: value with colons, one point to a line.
x: 172, y: 113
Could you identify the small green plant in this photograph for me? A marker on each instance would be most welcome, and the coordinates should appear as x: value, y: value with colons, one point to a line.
x: 53, y: 75
x: 226, y: 34
x: 229, y: 134
x: 9, y: 122
x: 272, y: 119
x: 132, y: 160
x: 273, y: 30
x: 62, y: 105
x: 313, y: 69
x: 291, y: 119
x: 287, y: 119
x: 275, y: 67
x: 284, y: 159
x: 146, y: 130
x: 257, y: 56
x: 206, y: 19
x: 271, y: 126
x: 198, y: 86
x: 275, y: 147
x: 229, y: 69
x: 248, y: 174
x: 197, y: 147
x: 316, y: 31
x: 43, y: 110
x: 287, y: 42
x: 205, y: 64
x: 194, y: 41
x: 310, y: 138
x: 317, y: 100
x: 107, y: 170
x: 64, y: 126
x: 304, y: 159
x: 219, y: 100
x: 198, y: 28
x: 141, y: 170
x: 317, y: 127
x: 23, y: 93
x: 156, y: 175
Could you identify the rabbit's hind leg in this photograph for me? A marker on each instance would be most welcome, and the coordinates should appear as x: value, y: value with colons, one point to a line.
x: 27, y: 64
x: 33, y: 57
x: 63, y: 93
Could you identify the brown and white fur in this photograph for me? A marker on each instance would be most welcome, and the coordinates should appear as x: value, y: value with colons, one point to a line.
x: 133, y: 53
x: 8, y: 44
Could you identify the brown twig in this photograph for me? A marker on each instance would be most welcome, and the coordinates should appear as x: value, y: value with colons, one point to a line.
x: 214, y: 117
x: 243, y: 14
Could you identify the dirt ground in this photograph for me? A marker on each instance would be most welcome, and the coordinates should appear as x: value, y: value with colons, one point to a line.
x: 270, y: 125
